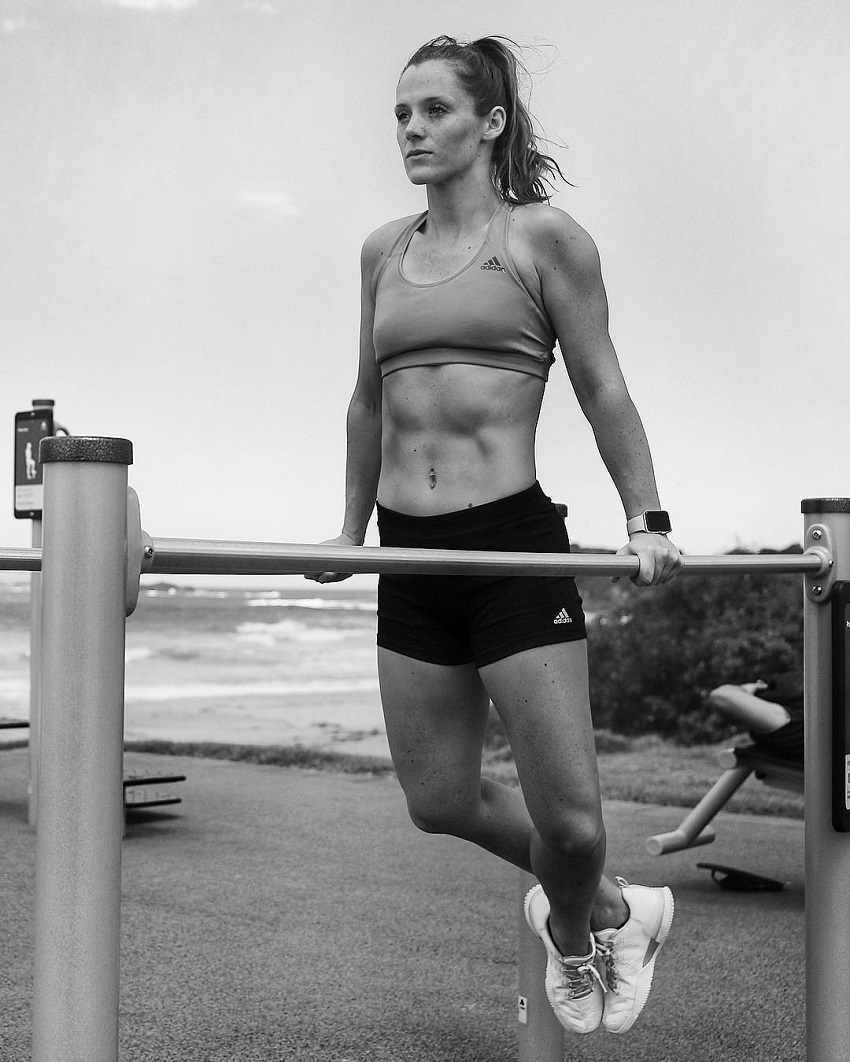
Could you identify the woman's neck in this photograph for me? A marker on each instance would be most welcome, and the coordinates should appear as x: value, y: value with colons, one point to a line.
x: 455, y: 211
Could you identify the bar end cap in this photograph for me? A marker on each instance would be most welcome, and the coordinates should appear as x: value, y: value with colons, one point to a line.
x: 86, y: 448
x: 825, y: 505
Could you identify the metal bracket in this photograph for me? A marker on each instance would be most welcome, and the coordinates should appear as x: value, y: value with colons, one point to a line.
x: 819, y: 585
x: 139, y: 551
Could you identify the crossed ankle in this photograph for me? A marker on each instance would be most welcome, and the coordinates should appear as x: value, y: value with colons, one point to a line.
x: 609, y: 917
x: 583, y: 950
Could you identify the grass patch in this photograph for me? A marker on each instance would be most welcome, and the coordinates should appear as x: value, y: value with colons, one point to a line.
x: 648, y: 770
x: 654, y: 771
x: 267, y: 755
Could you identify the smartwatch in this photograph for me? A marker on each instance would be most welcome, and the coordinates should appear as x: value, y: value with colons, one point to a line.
x: 655, y: 521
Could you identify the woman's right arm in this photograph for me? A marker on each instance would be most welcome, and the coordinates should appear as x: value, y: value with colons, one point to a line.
x: 363, y: 424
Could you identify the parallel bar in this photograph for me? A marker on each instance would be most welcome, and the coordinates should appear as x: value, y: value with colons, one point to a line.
x: 190, y: 556
x: 174, y: 556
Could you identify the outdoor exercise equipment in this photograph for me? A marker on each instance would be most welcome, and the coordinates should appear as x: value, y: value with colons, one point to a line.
x: 91, y: 557
x: 695, y: 828
x: 31, y: 426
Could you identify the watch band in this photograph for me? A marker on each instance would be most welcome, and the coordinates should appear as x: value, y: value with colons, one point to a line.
x: 653, y: 521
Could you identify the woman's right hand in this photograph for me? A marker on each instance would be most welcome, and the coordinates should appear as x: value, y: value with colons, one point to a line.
x: 333, y: 577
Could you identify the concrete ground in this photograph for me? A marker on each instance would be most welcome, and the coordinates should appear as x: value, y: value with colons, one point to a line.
x: 281, y: 914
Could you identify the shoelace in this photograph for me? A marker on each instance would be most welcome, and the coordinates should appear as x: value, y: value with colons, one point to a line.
x: 605, y: 951
x: 579, y: 979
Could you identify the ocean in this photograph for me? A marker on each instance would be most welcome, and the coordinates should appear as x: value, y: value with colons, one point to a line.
x: 291, y: 665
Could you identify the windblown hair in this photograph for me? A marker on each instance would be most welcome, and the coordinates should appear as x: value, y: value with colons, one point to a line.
x: 489, y: 70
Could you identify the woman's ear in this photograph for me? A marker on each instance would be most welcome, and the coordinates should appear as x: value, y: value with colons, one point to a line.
x: 496, y: 121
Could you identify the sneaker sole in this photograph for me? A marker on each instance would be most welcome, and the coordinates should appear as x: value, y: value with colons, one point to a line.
x: 644, y: 980
x: 536, y: 890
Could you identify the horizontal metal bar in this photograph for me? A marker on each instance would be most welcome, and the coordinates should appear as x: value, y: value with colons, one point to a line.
x: 177, y: 556
x: 174, y: 556
x: 20, y: 560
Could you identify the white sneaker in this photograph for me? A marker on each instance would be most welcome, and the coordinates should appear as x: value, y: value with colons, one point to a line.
x: 573, y: 985
x: 627, y: 955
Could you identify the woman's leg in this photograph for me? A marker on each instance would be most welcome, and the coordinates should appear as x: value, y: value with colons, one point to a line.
x: 436, y: 718
x: 542, y: 697
x: 756, y: 715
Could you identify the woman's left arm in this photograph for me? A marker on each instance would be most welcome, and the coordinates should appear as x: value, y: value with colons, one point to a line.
x: 568, y: 265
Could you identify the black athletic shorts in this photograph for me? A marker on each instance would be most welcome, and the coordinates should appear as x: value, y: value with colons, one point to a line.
x: 787, y: 742
x: 786, y: 689
x: 452, y: 619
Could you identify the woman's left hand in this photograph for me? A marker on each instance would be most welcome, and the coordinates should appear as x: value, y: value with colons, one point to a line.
x: 658, y: 556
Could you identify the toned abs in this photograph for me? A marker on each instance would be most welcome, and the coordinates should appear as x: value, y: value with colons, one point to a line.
x: 456, y: 436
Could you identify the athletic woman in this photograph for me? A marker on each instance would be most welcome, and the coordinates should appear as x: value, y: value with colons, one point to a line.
x: 461, y: 309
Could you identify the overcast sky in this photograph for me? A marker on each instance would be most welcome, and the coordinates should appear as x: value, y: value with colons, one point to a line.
x: 186, y: 184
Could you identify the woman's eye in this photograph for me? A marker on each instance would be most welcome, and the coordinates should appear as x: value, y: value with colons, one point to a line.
x: 437, y: 108
x: 402, y: 116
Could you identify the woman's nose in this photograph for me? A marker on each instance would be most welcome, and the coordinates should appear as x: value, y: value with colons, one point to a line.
x: 413, y: 129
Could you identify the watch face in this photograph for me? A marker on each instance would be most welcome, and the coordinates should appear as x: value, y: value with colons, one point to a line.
x: 657, y: 521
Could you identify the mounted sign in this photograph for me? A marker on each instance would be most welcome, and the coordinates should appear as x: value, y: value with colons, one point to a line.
x: 841, y: 707
x: 30, y: 428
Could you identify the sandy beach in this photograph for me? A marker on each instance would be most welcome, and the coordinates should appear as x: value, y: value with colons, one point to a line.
x: 338, y: 721
x: 279, y: 667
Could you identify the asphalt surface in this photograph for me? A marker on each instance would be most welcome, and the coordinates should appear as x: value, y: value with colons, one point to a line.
x: 281, y: 914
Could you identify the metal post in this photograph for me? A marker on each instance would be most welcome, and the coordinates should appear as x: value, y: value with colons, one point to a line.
x: 540, y: 1035
x: 78, y: 843
x: 45, y: 406
x: 827, y: 524
x: 35, y: 681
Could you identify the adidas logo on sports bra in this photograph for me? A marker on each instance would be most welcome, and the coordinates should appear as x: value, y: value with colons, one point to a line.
x: 495, y: 265
x: 563, y: 617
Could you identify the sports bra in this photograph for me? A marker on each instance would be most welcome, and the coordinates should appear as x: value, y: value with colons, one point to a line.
x: 482, y: 315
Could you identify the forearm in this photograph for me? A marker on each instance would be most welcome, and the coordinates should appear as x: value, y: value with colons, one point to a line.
x: 622, y: 444
x: 363, y: 466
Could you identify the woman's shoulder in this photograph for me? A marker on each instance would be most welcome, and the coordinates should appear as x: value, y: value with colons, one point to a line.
x: 379, y: 243
x: 552, y: 236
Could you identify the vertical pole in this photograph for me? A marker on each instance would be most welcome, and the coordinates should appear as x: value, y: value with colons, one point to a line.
x: 45, y: 405
x: 540, y: 1034
x: 827, y: 851
x: 35, y: 681
x: 80, y: 815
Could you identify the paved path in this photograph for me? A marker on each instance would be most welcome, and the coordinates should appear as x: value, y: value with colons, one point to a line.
x: 281, y: 914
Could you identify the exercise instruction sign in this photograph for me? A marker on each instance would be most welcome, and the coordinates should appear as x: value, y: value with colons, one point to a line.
x: 30, y: 428
x: 841, y: 707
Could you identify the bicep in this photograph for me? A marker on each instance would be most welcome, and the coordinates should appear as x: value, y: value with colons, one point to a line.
x: 575, y: 299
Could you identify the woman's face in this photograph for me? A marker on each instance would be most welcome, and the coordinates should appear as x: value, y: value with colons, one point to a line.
x: 439, y: 133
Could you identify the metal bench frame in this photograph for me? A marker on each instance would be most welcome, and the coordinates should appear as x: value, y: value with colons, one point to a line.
x: 740, y: 763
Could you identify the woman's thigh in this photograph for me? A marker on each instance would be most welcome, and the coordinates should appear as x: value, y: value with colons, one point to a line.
x: 542, y: 697
x: 436, y: 717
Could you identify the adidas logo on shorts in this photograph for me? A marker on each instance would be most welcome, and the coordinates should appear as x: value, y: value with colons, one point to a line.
x: 495, y: 265
x: 563, y: 617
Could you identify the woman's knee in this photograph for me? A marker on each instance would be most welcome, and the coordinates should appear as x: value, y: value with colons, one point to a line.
x: 438, y: 813
x: 579, y: 834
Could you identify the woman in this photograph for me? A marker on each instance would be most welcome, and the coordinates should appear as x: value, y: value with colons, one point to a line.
x: 461, y: 307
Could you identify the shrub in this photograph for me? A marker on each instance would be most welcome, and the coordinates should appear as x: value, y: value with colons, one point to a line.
x: 655, y: 653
